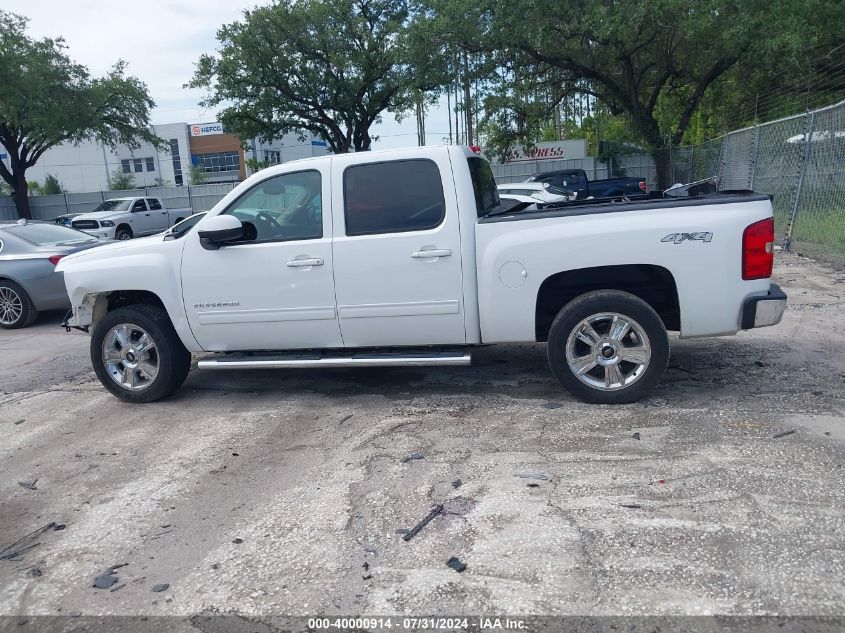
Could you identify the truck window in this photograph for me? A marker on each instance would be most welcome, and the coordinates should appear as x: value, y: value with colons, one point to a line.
x: 393, y: 197
x: 483, y: 184
x: 139, y: 205
x: 282, y: 208
x: 154, y: 204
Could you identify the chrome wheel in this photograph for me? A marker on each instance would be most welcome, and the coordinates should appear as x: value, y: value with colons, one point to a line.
x: 123, y: 235
x: 130, y: 356
x: 11, y: 306
x: 608, y: 351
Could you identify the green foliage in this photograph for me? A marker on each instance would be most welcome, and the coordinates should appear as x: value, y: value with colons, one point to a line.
x: 160, y: 182
x: 47, y: 99
x: 198, y: 175
x: 330, y: 67
x: 52, y: 186
x: 120, y: 181
x: 257, y: 165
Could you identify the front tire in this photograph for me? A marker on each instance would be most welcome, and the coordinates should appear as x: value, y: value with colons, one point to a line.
x: 16, y: 308
x: 123, y: 233
x: 608, y: 347
x: 137, y: 354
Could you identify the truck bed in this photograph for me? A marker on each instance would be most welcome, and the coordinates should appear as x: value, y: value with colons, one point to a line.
x: 616, y: 205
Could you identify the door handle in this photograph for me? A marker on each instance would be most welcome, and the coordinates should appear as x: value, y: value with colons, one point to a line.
x: 432, y: 253
x: 301, y: 263
x: 147, y: 214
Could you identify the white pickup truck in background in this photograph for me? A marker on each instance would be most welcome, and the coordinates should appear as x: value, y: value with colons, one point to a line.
x: 409, y: 257
x: 125, y: 218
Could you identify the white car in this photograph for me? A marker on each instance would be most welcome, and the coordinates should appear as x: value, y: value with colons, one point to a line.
x: 408, y: 257
x: 535, y: 191
x: 125, y: 218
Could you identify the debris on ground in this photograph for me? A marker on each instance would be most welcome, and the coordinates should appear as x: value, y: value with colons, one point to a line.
x: 35, y: 572
x: 29, y: 485
x: 538, y: 476
x: 366, y: 576
x: 402, y: 531
x: 636, y: 435
x: 117, y: 588
x: 784, y: 433
x: 236, y: 454
x: 457, y: 483
x: 759, y: 363
x: 215, y: 565
x: 20, y: 421
x: 679, y: 368
x: 419, y: 526
x: 106, y: 580
x: 59, y: 527
x: 408, y: 458
x: 455, y: 563
x: 630, y: 505
x: 533, y: 485
x: 237, y: 541
x: 14, y: 551
x: 345, y: 418
x: 552, y: 405
x: 366, y: 565
x: 160, y: 587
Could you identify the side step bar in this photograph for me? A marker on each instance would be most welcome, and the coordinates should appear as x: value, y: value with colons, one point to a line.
x: 385, y: 359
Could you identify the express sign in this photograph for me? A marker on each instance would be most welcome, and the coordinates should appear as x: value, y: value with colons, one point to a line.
x: 551, y: 150
x: 206, y: 129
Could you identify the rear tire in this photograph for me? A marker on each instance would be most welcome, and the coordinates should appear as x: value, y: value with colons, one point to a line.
x: 608, y: 347
x: 137, y: 354
x: 16, y: 308
x: 123, y: 233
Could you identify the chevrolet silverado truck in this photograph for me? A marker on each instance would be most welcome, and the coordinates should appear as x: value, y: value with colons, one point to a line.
x: 125, y: 218
x: 576, y: 181
x: 409, y: 257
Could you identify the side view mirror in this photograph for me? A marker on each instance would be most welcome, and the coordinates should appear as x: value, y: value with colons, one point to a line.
x: 218, y: 230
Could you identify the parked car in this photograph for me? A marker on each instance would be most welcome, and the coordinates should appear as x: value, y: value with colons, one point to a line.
x: 65, y: 219
x: 29, y: 283
x: 125, y: 218
x: 576, y: 180
x: 409, y: 257
x: 534, y: 192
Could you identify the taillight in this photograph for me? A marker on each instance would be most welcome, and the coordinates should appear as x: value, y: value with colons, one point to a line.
x: 758, y: 249
x: 475, y: 149
x: 643, y: 185
x: 54, y: 259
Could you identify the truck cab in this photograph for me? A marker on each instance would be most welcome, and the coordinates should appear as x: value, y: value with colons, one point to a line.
x: 125, y: 218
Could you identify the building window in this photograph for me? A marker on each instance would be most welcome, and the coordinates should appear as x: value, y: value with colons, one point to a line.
x: 218, y: 161
x: 127, y: 168
x: 151, y: 165
x: 177, y: 162
x: 274, y: 157
x: 139, y: 165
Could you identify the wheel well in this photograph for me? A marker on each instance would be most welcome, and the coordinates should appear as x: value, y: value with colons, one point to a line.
x: 121, y: 298
x: 123, y: 226
x: 653, y: 284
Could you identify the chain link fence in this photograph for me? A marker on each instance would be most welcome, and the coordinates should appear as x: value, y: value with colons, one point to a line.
x: 197, y: 197
x: 799, y: 161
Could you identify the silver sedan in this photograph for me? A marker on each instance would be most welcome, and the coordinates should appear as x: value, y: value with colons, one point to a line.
x: 29, y: 252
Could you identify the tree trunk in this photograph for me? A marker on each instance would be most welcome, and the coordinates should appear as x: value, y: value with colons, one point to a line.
x: 467, y: 103
x: 663, y: 164
x: 20, y: 194
x: 361, y: 139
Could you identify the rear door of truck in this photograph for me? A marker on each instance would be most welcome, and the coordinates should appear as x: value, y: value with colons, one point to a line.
x: 397, y: 250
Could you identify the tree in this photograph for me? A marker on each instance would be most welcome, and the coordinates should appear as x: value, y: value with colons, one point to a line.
x: 46, y: 99
x: 120, y: 180
x: 198, y: 175
x: 329, y: 67
x: 52, y: 186
x: 654, y: 60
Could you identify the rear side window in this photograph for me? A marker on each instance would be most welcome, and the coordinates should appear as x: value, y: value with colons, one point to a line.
x: 484, y: 185
x: 155, y: 205
x: 393, y: 197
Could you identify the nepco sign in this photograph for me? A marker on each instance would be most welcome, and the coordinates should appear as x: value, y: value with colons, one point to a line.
x: 206, y: 129
x: 551, y: 150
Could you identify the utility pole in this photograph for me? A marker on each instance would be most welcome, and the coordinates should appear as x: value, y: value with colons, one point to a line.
x: 449, y: 113
x: 467, y: 102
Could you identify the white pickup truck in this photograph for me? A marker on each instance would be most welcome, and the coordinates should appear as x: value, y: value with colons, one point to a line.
x: 409, y: 257
x: 125, y: 218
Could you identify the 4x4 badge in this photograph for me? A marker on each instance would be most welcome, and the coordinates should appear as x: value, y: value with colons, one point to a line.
x: 677, y: 238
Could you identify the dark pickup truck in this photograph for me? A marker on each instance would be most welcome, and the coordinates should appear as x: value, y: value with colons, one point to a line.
x: 576, y: 180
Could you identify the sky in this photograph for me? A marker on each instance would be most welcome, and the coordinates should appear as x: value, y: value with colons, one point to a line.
x: 161, y: 40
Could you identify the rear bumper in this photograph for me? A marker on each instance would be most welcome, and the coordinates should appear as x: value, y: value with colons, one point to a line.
x: 764, y: 310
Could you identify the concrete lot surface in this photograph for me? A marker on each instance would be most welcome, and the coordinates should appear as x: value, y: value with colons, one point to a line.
x: 285, y: 492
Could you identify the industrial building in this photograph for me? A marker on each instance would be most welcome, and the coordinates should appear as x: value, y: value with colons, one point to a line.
x: 88, y: 166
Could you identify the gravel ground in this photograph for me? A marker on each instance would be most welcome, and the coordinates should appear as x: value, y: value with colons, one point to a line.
x: 285, y: 492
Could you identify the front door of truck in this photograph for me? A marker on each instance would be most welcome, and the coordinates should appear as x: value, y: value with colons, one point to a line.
x: 142, y: 221
x: 397, y: 252
x: 273, y: 290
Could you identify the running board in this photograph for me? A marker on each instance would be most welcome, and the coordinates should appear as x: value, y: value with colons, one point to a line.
x: 297, y: 361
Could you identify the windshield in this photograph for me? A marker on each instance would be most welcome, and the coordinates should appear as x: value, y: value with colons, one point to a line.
x: 49, y: 234
x: 113, y: 205
x: 484, y: 185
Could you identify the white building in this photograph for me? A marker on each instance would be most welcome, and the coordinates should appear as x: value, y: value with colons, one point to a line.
x: 88, y: 166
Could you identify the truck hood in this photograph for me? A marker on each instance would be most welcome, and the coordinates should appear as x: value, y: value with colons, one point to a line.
x: 101, y: 215
x: 109, y: 249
